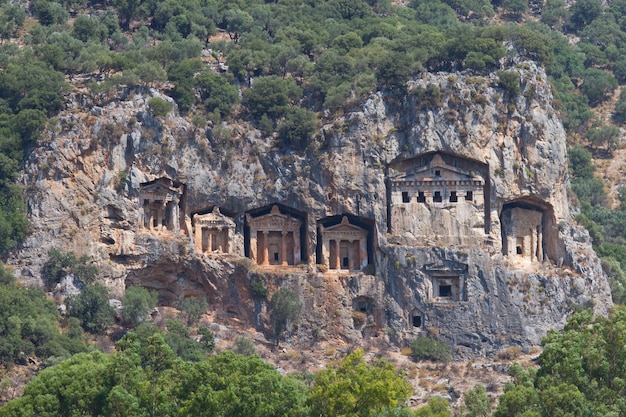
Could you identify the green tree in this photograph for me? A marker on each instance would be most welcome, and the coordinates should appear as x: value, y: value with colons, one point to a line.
x: 137, y: 303
x: 296, y: 129
x: 270, y: 95
x: 355, y: 388
x: 427, y: 348
x: 61, y: 264
x: 159, y: 107
x: 583, y: 12
x: 193, y: 308
x: 216, y: 92
x: 510, y: 83
x: 436, y: 407
x: 604, y: 135
x: 244, y: 346
x: 92, y: 308
x: 285, y: 308
x: 476, y: 402
x: 597, y: 85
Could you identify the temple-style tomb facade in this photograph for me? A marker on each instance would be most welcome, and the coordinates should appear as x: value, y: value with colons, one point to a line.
x: 161, y: 204
x: 438, y: 196
x: 522, y: 233
x: 274, y: 238
x: 344, y: 246
x: 212, y: 231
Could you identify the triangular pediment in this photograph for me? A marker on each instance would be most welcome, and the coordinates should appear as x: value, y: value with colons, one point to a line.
x: 446, y: 266
x: 160, y: 185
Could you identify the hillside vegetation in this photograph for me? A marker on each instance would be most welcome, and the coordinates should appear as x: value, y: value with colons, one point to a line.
x: 284, y: 68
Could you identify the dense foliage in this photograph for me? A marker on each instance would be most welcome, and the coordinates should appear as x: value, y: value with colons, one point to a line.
x: 581, y: 372
x: 29, y: 326
x: 145, y: 377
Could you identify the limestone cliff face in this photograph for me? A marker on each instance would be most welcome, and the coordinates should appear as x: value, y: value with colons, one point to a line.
x: 460, y: 191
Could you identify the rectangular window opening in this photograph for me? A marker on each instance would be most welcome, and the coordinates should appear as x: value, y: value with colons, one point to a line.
x: 453, y: 197
x: 405, y: 197
x: 417, y: 321
x: 421, y: 198
x: 437, y: 197
x: 469, y: 196
x: 445, y: 291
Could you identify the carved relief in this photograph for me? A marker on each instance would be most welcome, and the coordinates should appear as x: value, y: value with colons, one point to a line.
x: 160, y: 205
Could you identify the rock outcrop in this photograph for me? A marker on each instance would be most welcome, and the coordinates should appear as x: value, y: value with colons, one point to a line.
x: 459, y: 191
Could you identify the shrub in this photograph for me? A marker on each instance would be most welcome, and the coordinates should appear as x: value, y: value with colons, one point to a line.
x: 509, y: 81
x: 258, y: 290
x: 285, y: 307
x: 137, y: 303
x: 159, y: 107
x: 297, y: 128
x: 92, y: 308
x: 244, y: 346
x: 426, y: 348
x: 60, y: 264
x: 194, y: 308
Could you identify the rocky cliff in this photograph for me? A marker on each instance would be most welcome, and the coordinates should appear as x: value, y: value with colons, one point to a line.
x: 455, y: 194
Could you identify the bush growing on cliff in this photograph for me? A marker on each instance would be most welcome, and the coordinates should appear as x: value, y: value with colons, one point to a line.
x: 426, y: 348
x: 137, y: 303
x: 60, y: 264
x: 92, y: 308
x: 285, y: 308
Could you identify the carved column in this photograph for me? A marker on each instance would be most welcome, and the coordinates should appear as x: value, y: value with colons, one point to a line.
x: 539, y: 244
x: 283, y: 248
x: 266, y: 253
x: 363, y: 260
x: 350, y: 256
x: 175, y: 216
x: 338, y: 253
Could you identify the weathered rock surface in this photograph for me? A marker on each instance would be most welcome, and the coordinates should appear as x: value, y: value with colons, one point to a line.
x: 83, y: 185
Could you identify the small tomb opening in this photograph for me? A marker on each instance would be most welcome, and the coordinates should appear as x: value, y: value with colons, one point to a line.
x: 453, y: 197
x: 437, y: 197
x: 416, y: 318
x: 448, y: 281
x: 469, y: 196
x: 421, y: 197
x: 405, y: 197
x: 363, y: 311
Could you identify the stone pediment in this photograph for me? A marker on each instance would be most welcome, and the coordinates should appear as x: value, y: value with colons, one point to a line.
x: 424, y: 173
x: 213, y: 219
x: 344, y: 229
x: 445, y: 267
x: 161, y: 186
x: 274, y: 220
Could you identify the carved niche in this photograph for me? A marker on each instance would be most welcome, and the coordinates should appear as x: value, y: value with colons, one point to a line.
x: 523, y: 233
x: 448, y: 281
